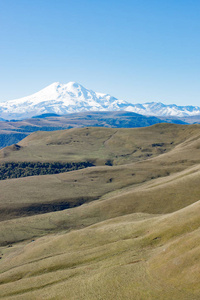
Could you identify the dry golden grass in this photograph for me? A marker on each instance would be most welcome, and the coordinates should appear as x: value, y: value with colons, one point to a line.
x: 100, y: 144
x: 136, y: 234
x: 22, y: 197
x: 129, y: 257
x: 158, y: 196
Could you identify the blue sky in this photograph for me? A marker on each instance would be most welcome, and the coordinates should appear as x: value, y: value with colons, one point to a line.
x: 139, y: 50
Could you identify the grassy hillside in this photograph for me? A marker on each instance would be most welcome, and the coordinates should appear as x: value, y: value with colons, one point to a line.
x: 42, y: 200
x: 130, y: 257
x: 118, y: 146
x: 12, y: 131
x: 126, y: 228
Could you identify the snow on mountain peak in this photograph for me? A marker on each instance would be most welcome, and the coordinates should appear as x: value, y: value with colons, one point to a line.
x: 73, y: 97
x: 73, y: 85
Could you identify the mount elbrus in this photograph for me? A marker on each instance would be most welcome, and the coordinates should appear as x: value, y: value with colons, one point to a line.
x: 72, y: 97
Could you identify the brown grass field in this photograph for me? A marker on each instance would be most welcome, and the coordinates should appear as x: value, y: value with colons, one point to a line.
x: 126, y: 231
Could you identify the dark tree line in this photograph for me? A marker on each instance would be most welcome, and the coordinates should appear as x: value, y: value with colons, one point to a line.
x: 24, y: 169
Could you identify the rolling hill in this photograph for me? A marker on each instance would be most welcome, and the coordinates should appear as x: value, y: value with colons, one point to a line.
x: 13, y: 131
x: 125, y: 228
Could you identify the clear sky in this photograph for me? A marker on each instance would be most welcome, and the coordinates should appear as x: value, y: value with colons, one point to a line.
x: 136, y: 50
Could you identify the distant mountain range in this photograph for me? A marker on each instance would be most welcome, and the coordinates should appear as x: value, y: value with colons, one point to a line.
x: 72, y: 97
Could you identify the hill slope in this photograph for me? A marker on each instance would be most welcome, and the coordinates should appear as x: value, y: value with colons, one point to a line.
x: 100, y: 144
x: 122, y: 258
x: 128, y: 230
x: 14, y: 131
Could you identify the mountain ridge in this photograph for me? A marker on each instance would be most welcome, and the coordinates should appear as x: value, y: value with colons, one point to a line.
x: 73, y: 97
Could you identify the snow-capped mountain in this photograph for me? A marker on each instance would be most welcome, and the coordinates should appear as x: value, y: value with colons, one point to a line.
x: 160, y: 109
x: 60, y: 99
x: 72, y: 97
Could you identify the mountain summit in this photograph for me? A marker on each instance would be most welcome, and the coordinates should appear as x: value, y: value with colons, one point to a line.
x: 72, y: 97
x: 60, y: 99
